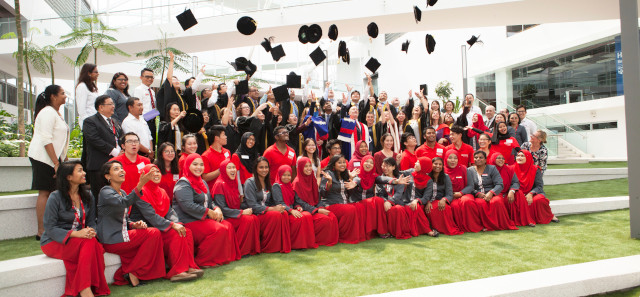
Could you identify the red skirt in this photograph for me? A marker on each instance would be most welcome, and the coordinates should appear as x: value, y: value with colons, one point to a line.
x: 466, y: 214
x: 443, y: 220
x: 326, y: 229
x: 247, y: 233
x: 398, y: 220
x: 361, y: 209
x: 519, y: 210
x: 348, y: 222
x: 84, y: 261
x: 274, y: 232
x: 302, y: 234
x: 215, y: 242
x: 142, y: 256
x: 375, y: 219
x: 540, y: 209
x: 494, y: 214
x: 178, y: 252
x: 418, y: 220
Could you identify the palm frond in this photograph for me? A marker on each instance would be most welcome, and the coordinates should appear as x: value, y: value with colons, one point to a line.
x: 9, y: 35
x: 83, y: 56
x: 148, y: 53
x: 111, y: 49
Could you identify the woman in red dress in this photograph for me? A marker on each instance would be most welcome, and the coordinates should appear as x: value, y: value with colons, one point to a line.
x: 531, y: 185
x: 516, y: 202
x: 189, y: 146
x: 139, y: 247
x: 465, y: 211
x: 325, y: 223
x: 168, y: 166
x: 439, y: 194
x: 361, y: 152
x: 70, y: 235
x: 387, y: 151
x: 502, y: 143
x: 227, y: 196
x: 215, y: 239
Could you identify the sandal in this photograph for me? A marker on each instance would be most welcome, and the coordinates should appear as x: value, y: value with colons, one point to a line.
x: 435, y: 233
x: 555, y: 220
x: 128, y: 279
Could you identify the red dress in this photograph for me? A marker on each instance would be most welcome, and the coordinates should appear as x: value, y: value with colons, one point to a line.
x: 518, y: 209
x: 530, y: 177
x: 370, y: 206
x: 168, y: 181
x: 301, y: 229
x: 377, y: 161
x: 465, y: 212
x: 139, y: 255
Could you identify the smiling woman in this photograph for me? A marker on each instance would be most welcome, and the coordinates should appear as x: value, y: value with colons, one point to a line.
x: 119, y: 92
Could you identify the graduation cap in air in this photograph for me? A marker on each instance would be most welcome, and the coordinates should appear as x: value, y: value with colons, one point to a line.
x: 281, y: 93
x: 314, y: 33
x: 430, y: 42
x: 266, y: 44
x: 247, y: 25
x: 346, y: 58
x: 372, y: 65
x: 333, y: 32
x: 317, y: 56
x: 473, y: 40
x: 342, y: 48
x: 302, y: 34
x: 242, y: 87
x: 277, y: 52
x: 186, y: 19
x: 417, y: 14
x: 372, y: 30
x: 405, y: 46
x: 242, y: 64
x: 425, y: 90
x: 294, y: 81
x: 193, y: 121
x: 431, y: 2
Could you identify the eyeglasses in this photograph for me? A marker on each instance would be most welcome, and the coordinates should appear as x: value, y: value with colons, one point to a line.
x: 282, y: 133
x: 122, y: 79
x: 132, y: 141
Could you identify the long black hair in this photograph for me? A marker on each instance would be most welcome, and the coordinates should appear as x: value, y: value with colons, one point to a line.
x: 104, y: 170
x: 160, y: 161
x: 44, y: 99
x: 331, y: 167
x: 267, y: 180
x: 85, y: 76
x: 496, y: 137
x: 391, y: 161
x: 113, y: 85
x: 65, y: 170
x: 440, y: 179
x: 314, y: 159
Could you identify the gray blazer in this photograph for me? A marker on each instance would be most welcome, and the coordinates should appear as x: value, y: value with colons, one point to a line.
x: 538, y: 184
x: 188, y: 205
x: 491, y: 180
x: 120, y: 100
x: 442, y: 191
x: 359, y: 194
x: 276, y: 198
x: 335, y: 194
x: 254, y: 199
x: 113, y: 221
x: 142, y: 210
x: 58, y: 220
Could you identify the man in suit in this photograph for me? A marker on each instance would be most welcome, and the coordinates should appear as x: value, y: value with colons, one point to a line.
x: 291, y: 106
x: 101, y: 134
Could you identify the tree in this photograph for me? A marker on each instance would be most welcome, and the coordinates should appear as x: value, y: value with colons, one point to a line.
x: 95, y: 33
x: 158, y: 58
x: 20, y: 83
x: 444, y: 90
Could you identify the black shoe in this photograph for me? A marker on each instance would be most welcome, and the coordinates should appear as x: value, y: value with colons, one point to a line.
x: 556, y: 220
x: 38, y: 237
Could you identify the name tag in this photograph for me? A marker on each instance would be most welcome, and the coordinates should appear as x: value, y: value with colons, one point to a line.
x: 246, y: 157
x: 176, y: 177
x: 356, y: 164
x: 226, y: 154
x: 509, y: 141
x: 140, y: 166
x: 465, y: 155
x: 460, y: 177
x: 291, y: 154
x: 484, y: 174
x: 438, y: 151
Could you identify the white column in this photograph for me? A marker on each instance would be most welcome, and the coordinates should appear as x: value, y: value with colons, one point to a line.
x: 504, y: 88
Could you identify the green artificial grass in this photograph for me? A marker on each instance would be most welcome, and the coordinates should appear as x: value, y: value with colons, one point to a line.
x: 384, y: 265
x: 18, y: 248
x: 19, y: 192
x: 598, y: 164
x: 603, y: 188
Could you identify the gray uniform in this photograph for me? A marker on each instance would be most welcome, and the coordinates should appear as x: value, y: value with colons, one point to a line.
x: 59, y: 220
x: 490, y: 181
x: 189, y: 205
x: 113, y: 221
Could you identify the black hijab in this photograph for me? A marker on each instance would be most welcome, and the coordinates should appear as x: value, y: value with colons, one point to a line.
x: 497, y: 136
x: 247, y: 155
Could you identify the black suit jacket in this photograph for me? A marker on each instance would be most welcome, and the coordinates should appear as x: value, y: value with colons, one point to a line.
x: 99, y: 140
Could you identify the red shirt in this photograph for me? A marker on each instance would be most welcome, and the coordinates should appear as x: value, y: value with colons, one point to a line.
x: 277, y: 159
x: 244, y: 173
x: 465, y: 153
x: 183, y: 157
x: 426, y: 151
x: 168, y: 181
x: 505, y: 147
x: 408, y: 160
x: 324, y: 162
x: 131, y: 171
x: 212, y: 160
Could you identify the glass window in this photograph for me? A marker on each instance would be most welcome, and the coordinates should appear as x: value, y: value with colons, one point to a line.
x: 607, y: 125
x: 486, y: 89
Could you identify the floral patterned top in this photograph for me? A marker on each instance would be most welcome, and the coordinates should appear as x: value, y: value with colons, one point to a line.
x: 539, y: 157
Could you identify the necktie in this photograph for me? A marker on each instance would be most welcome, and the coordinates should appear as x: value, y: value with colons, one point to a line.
x: 112, y: 126
x: 153, y: 104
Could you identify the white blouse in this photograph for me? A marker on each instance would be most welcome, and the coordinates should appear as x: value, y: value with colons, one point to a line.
x: 85, y: 102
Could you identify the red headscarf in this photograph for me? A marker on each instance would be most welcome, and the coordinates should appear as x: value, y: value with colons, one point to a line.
x: 367, y: 179
x: 421, y: 178
x: 459, y: 171
x: 478, y: 125
x: 288, y: 195
x: 306, y: 186
x: 506, y: 171
x: 155, y: 195
x: 226, y: 186
x: 357, y: 156
x: 183, y: 157
x: 526, y: 172
x: 196, y: 181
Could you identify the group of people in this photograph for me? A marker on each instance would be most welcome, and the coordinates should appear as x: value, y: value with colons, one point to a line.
x: 267, y: 173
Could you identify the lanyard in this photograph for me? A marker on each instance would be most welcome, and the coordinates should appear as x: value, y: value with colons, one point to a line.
x: 84, y: 217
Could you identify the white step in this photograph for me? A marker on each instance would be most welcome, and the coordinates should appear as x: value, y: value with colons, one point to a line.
x: 567, y: 176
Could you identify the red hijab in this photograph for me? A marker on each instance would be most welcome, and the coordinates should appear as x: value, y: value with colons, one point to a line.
x: 526, y: 172
x: 421, y: 178
x: 367, y: 179
x: 478, y: 125
x: 288, y: 195
x: 357, y: 156
x: 155, y: 195
x: 459, y: 171
x: 226, y: 186
x: 196, y: 181
x: 306, y: 186
x: 506, y: 171
x: 183, y: 157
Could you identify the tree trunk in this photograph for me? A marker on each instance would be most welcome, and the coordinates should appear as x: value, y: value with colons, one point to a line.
x: 52, y: 76
x: 30, y: 101
x: 20, y: 83
x: 95, y: 56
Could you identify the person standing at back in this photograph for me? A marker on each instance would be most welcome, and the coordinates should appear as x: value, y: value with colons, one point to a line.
x: 119, y: 92
x: 528, y: 124
x: 148, y: 98
x: 86, y: 91
x: 489, y: 115
x: 135, y: 123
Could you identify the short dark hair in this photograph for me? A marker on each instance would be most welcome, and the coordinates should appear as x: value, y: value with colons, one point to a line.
x: 132, y: 101
x: 100, y: 100
x: 186, y: 82
x: 356, y: 91
x: 391, y: 161
x: 278, y: 128
x: 428, y: 128
x: 145, y: 69
x: 216, y: 131
x: 457, y: 129
x: 123, y: 138
x: 521, y: 106
x: 404, y: 138
x: 479, y: 152
x: 332, y: 142
x: 474, y: 97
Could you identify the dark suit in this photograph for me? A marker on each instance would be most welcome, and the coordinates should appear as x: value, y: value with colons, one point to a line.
x: 99, y: 140
x: 285, y: 109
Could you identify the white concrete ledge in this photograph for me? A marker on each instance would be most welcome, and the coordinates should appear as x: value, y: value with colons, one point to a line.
x: 41, y: 275
x: 587, y: 205
x: 18, y: 216
x: 568, y: 176
x: 15, y: 174
x: 571, y: 280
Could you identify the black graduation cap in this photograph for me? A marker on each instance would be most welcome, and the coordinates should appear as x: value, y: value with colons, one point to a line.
x: 405, y: 46
x: 281, y: 93
x: 193, y: 121
x: 431, y: 2
x: 333, y: 32
x: 302, y: 34
x: 372, y: 65
x: 266, y: 44
x: 430, y: 42
x: 294, y: 81
x: 247, y: 25
x: 342, y: 48
x: 372, y: 30
x: 317, y: 56
x: 277, y: 52
x: 314, y: 33
x: 242, y: 87
x: 242, y: 64
x: 473, y: 40
x: 346, y: 58
x: 417, y: 14
x: 186, y: 19
x: 425, y: 90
